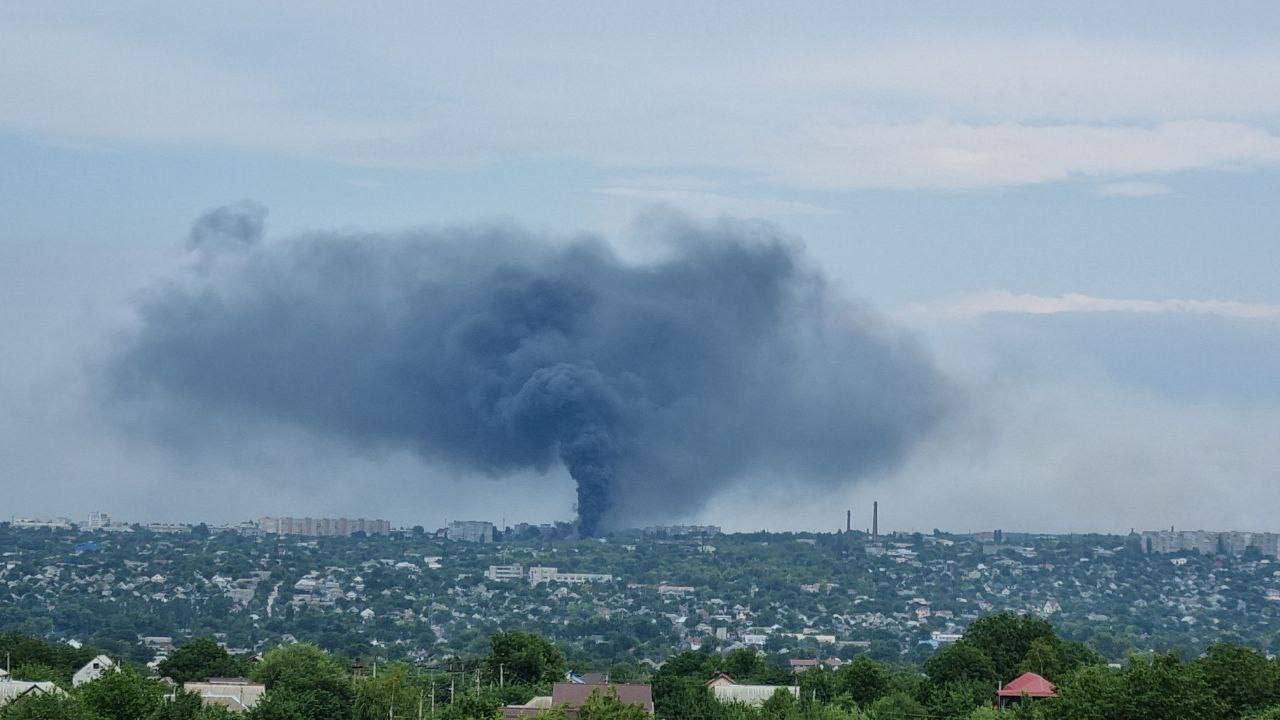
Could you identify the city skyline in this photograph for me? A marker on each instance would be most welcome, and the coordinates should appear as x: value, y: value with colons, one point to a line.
x: 477, y: 530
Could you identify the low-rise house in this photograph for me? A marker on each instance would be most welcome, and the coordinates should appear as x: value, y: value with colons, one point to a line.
x: 11, y: 690
x: 1028, y: 685
x: 234, y: 694
x: 571, y: 696
x: 92, y: 670
x: 726, y: 690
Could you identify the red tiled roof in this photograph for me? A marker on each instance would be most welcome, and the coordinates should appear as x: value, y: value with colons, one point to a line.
x: 573, y: 695
x: 1029, y: 684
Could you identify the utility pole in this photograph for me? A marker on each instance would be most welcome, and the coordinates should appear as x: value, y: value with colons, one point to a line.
x: 419, y: 705
x: 501, y: 677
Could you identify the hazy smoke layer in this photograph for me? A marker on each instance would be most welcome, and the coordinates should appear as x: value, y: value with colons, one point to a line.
x: 656, y: 385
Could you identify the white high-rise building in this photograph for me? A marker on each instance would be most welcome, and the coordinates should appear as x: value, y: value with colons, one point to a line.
x: 322, y: 527
x: 98, y: 520
x: 477, y: 531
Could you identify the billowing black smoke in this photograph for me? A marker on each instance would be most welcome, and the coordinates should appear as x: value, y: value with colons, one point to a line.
x: 656, y: 385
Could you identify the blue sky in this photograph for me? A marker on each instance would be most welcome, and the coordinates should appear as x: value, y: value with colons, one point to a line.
x: 1075, y: 209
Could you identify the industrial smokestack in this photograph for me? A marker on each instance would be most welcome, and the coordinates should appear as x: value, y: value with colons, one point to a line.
x: 875, y: 520
x: 848, y: 520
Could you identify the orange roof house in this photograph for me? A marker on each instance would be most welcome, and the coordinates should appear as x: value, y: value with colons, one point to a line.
x: 1029, y: 685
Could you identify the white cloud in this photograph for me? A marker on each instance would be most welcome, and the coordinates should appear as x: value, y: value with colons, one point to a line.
x: 944, y: 155
x: 706, y: 203
x: 1002, y: 301
x: 902, y: 110
x: 1133, y: 189
x: 1037, y: 76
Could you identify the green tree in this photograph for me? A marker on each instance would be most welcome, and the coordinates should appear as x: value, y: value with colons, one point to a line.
x: 277, y: 705
x: 473, y: 706
x: 819, y: 685
x: 685, y: 698
x: 1006, y: 638
x: 1043, y: 659
x: 742, y: 665
x: 20, y: 650
x: 864, y: 680
x: 1164, y: 688
x: 200, y: 659
x: 960, y: 663
x: 956, y: 700
x: 122, y: 694
x: 523, y: 657
x: 896, y: 706
x: 392, y: 693
x: 1243, y: 680
x: 37, y: 672
x: 1092, y: 693
x: 303, y: 683
x: 679, y: 687
x: 1158, y: 688
x: 779, y: 705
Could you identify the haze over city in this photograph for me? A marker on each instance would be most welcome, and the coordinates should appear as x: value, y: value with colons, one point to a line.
x: 995, y: 265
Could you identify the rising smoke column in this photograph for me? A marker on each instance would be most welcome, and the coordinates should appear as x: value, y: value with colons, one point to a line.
x: 488, y: 348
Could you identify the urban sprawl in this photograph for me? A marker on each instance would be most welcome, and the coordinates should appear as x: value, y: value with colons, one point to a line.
x: 360, y: 587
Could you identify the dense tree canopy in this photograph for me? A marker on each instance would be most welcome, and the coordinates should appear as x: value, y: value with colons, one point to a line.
x: 201, y: 659
x: 522, y: 657
x: 304, y: 682
x: 1006, y: 639
x: 22, y: 651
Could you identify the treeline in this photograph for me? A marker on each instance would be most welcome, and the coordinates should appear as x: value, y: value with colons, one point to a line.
x: 959, y: 682
x: 302, y: 682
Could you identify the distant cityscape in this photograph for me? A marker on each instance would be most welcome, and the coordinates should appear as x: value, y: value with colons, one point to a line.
x: 1164, y: 542
x: 364, y: 587
x: 474, y: 531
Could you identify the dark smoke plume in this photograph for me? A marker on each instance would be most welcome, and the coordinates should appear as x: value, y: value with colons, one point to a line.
x: 656, y: 385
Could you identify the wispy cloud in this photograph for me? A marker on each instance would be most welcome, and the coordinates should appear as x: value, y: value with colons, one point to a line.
x: 700, y: 198
x: 945, y: 155
x: 1004, y: 302
x: 1134, y: 189
x: 1043, y: 77
x: 893, y: 110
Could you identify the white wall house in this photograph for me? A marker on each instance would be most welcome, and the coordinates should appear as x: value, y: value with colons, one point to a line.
x: 92, y: 670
